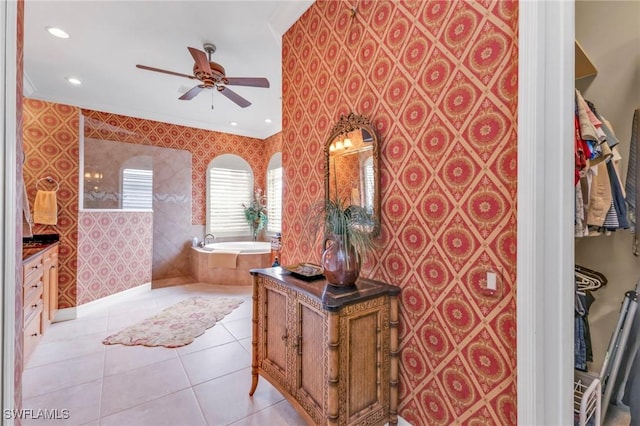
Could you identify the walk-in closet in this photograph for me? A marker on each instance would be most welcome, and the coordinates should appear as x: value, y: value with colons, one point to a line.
x: 607, y: 254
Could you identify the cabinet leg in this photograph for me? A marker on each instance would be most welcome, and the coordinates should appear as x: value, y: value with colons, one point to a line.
x: 254, y: 384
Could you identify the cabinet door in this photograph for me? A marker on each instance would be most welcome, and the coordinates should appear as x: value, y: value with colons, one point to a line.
x: 275, y: 335
x: 53, y: 284
x: 46, y: 279
x: 310, y: 348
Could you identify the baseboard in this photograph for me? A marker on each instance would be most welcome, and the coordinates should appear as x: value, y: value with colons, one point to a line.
x: 66, y: 314
x: 75, y: 312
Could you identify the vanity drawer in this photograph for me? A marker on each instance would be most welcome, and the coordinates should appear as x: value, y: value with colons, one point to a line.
x: 31, y: 288
x: 32, y: 335
x: 33, y: 266
x: 32, y: 309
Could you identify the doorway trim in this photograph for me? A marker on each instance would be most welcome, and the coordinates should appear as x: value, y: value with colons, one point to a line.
x: 545, y: 248
x: 8, y: 129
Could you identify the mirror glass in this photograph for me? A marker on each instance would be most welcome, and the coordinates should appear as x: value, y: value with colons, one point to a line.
x: 351, y: 164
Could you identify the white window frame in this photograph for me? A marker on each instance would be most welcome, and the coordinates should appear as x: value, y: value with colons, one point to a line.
x: 275, y: 185
x: 136, y: 189
x: 235, y: 225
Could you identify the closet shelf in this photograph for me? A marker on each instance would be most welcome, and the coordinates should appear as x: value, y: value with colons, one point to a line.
x: 583, y: 66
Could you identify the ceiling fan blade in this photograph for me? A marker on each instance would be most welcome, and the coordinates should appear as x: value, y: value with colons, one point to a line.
x: 191, y: 93
x: 201, y: 59
x: 248, y: 81
x: 144, y: 67
x: 242, y: 102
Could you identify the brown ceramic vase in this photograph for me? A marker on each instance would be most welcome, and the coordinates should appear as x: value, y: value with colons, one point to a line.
x: 340, y: 263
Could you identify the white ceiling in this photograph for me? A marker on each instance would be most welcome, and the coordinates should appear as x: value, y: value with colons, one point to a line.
x: 108, y: 38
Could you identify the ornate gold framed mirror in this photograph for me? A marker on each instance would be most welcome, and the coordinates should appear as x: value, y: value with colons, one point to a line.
x: 352, y: 164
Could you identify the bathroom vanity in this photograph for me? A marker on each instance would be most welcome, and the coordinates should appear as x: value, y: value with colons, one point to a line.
x: 333, y: 353
x: 39, y: 291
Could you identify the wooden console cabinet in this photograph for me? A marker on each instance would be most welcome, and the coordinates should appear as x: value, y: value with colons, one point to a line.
x: 40, y: 294
x: 331, y: 352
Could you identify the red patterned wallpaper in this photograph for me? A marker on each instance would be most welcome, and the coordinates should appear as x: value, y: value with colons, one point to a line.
x: 204, y: 145
x: 51, y: 145
x: 439, y: 81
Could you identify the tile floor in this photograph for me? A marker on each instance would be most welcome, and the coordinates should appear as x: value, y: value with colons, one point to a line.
x: 204, y: 383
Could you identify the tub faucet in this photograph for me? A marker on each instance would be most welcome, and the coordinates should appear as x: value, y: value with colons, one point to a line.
x: 207, y: 237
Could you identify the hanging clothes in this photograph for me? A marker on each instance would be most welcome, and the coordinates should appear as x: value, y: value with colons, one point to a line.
x: 632, y: 183
x: 600, y: 194
x: 582, y: 336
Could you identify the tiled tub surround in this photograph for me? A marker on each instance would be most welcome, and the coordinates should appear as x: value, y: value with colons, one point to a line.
x: 206, y: 266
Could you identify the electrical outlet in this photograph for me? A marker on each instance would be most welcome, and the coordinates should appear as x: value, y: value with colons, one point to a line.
x: 491, y: 284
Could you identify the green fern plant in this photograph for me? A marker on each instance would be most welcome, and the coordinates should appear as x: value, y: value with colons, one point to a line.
x: 353, y: 223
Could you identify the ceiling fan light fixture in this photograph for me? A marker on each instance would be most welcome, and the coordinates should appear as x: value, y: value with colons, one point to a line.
x: 57, y: 32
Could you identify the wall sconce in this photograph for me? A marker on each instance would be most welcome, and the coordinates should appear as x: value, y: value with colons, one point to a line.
x: 93, y: 179
x: 341, y: 143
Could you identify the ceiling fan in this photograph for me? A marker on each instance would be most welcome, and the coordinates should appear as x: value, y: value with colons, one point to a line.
x: 212, y: 75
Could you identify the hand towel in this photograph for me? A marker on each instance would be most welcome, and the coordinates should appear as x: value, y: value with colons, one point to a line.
x: 223, y: 259
x: 45, y: 208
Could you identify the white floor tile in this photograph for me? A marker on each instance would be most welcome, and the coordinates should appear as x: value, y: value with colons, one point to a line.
x: 204, y: 383
x: 51, y: 351
x: 120, y: 358
x: 180, y: 408
x: 60, y: 375
x: 81, y: 403
x: 226, y: 399
x: 214, y: 336
x: 214, y: 362
x: 73, y: 328
x: 281, y: 414
x: 131, y: 388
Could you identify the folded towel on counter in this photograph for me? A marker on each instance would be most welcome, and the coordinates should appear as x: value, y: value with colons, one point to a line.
x: 45, y: 208
x: 223, y: 259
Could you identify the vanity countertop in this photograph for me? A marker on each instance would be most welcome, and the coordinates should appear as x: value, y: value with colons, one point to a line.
x: 32, y: 249
x: 38, y: 243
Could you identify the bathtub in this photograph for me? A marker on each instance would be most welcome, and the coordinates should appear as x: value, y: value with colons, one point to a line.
x: 242, y: 246
x: 228, y: 263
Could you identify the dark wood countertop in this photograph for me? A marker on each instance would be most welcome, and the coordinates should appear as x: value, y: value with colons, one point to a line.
x: 332, y: 298
x: 30, y: 250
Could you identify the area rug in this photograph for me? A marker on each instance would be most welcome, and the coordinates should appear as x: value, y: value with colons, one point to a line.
x: 178, y: 325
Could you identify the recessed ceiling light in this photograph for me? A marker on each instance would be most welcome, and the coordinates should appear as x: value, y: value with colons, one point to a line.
x: 73, y: 81
x: 267, y: 120
x: 57, y: 32
x: 233, y: 123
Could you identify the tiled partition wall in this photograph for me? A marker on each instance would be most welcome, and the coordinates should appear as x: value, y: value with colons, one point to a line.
x: 114, y: 252
x: 439, y: 81
x: 171, y: 219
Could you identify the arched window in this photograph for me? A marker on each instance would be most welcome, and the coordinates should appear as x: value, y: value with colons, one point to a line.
x: 229, y: 186
x: 274, y: 193
x: 368, y: 183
